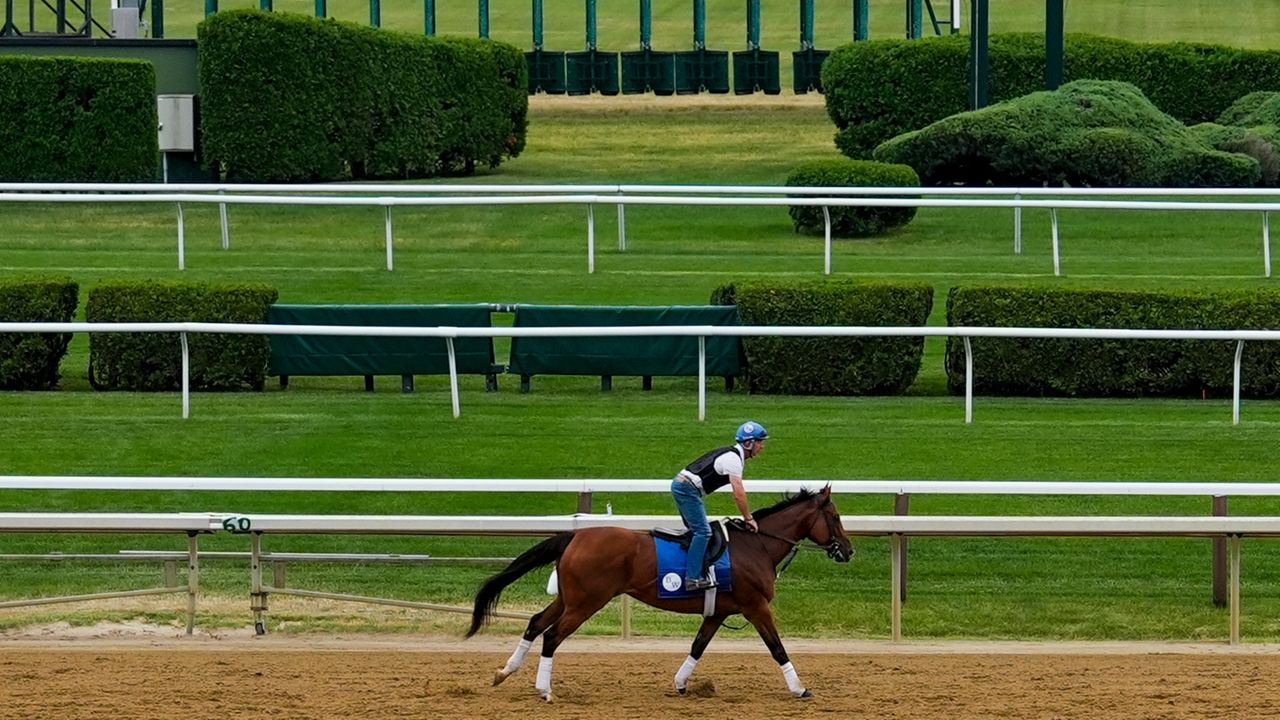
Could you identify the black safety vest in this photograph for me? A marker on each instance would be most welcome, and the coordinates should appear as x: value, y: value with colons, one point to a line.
x: 705, y: 468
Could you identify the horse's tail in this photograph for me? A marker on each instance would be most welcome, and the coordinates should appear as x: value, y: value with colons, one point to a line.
x: 545, y: 552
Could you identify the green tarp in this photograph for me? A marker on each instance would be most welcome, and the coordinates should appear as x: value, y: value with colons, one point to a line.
x: 643, y: 356
x: 341, y: 355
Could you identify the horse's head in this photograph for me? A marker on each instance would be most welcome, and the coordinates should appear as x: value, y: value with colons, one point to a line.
x: 827, y: 530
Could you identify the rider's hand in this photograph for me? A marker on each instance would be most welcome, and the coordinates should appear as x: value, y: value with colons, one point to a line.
x: 751, y: 525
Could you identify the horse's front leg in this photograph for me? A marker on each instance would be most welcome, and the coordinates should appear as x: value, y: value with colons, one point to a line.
x: 762, y: 618
x: 705, y: 633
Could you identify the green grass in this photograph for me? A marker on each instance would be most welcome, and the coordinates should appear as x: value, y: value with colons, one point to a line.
x: 326, y: 427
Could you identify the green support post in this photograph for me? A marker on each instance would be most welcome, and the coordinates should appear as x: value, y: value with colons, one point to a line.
x: 979, y: 59
x: 429, y: 17
x: 646, y: 24
x: 61, y: 11
x: 806, y: 63
x: 590, y: 70
x: 537, y: 24
x: 210, y: 7
x: 1053, y: 45
x: 546, y: 69
x: 644, y: 70
x: 482, y: 13
x: 859, y: 19
x: 591, y: 24
x: 265, y: 5
x: 375, y: 13
x: 806, y: 24
x: 157, y: 19
x: 699, y: 24
x: 915, y: 19
x: 753, y: 24
x: 322, y: 8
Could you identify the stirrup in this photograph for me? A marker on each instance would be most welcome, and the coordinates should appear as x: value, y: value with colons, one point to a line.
x: 696, y: 585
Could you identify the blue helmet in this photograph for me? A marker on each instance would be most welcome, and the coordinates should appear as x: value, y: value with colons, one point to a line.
x: 750, y: 431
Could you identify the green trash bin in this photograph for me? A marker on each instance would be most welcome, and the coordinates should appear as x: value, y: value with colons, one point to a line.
x: 698, y: 70
x: 546, y: 71
x: 806, y: 67
x: 645, y: 70
x: 756, y: 70
x: 591, y: 71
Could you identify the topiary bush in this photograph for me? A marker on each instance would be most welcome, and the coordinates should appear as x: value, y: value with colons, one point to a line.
x: 153, y: 361
x: 851, y: 222
x: 829, y: 365
x: 1110, y: 368
x: 1089, y: 132
x: 29, y: 361
x: 68, y: 119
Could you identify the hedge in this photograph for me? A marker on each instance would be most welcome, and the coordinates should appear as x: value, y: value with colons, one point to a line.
x: 294, y: 98
x: 77, y: 120
x: 153, y: 361
x: 1108, y: 368
x: 879, y: 89
x: 29, y: 361
x: 851, y: 222
x: 830, y: 365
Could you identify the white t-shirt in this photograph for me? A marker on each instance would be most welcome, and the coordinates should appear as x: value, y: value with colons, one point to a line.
x: 729, y: 463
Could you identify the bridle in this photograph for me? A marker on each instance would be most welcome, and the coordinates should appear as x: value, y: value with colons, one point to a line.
x: 832, y: 548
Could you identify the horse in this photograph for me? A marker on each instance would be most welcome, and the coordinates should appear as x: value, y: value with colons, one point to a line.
x: 595, y: 565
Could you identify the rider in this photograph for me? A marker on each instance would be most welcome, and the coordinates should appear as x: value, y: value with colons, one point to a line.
x: 720, y: 467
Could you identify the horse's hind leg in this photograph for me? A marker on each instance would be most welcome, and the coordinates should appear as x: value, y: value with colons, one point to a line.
x: 573, y: 617
x: 705, y: 633
x: 538, y: 624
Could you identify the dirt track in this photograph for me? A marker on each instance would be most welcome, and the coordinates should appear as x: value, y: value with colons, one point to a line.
x: 305, y: 678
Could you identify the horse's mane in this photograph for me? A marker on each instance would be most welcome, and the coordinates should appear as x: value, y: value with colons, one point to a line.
x: 787, y: 501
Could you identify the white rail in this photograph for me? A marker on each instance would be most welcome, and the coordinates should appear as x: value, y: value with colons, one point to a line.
x: 623, y: 195
x: 699, y: 331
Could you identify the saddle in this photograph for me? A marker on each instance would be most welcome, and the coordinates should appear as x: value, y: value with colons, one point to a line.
x: 715, y: 547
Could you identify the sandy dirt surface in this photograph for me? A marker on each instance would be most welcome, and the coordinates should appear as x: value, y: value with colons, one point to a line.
x: 140, y: 672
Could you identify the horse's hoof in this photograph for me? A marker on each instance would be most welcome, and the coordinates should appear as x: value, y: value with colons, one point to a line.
x: 682, y: 691
x: 498, y: 677
x: 804, y: 695
x: 547, y: 697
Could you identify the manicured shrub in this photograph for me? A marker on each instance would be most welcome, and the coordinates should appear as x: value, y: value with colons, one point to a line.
x: 1102, y: 368
x: 153, y: 361
x: 68, y: 119
x: 29, y: 361
x: 851, y: 222
x: 830, y: 365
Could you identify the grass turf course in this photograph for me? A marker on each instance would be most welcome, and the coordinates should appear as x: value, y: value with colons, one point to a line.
x: 325, y: 427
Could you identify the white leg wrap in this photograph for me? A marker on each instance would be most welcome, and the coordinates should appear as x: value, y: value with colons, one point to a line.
x: 543, y: 683
x: 682, y: 675
x: 517, y: 657
x: 793, y: 682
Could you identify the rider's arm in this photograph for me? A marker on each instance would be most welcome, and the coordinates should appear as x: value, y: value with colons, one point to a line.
x: 740, y: 498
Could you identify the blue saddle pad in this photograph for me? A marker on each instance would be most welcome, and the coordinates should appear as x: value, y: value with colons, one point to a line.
x: 671, y: 570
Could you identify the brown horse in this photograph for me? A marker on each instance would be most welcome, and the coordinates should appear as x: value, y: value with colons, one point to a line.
x: 597, y: 564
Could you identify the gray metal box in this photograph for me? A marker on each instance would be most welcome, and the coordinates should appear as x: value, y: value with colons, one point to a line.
x: 177, y: 122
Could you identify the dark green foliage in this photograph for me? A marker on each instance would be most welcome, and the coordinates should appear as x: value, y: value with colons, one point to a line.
x: 153, y: 361
x: 827, y: 365
x: 851, y: 221
x: 29, y: 361
x: 1256, y: 108
x: 879, y: 89
x: 77, y: 120
x: 1090, y: 132
x: 293, y: 98
x: 1102, y: 368
x: 1246, y: 141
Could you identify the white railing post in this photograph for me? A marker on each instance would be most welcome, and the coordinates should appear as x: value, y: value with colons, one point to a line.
x: 622, y: 226
x: 182, y: 244
x: 186, y: 378
x: 826, y: 218
x: 968, y: 382
x: 390, y: 260
x: 702, y: 378
x: 1235, y: 590
x: 1057, y: 267
x: 591, y: 238
x: 453, y: 376
x: 1235, y: 384
x: 1017, y: 225
x: 222, y: 219
x: 1266, y: 244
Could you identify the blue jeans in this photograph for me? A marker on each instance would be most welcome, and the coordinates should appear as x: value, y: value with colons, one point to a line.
x: 694, y: 513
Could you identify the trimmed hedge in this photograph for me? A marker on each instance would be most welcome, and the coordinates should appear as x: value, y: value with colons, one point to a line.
x: 827, y: 365
x: 153, y: 361
x: 77, y: 120
x: 851, y: 221
x: 1109, y: 368
x: 882, y: 88
x: 293, y: 98
x: 29, y: 361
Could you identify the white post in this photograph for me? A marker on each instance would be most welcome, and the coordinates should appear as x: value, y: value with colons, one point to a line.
x: 826, y: 218
x: 968, y: 382
x: 453, y: 376
x: 1266, y: 243
x: 702, y: 378
x: 182, y: 244
x: 1235, y: 385
x: 222, y: 217
x: 390, y: 261
x: 186, y: 378
x: 1057, y: 268
x: 591, y: 239
x: 1235, y: 590
x: 193, y: 581
x: 895, y: 582
x: 1017, y: 225
x: 622, y: 235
